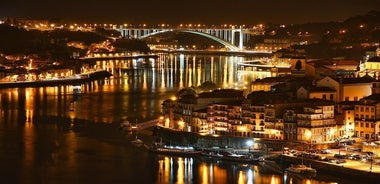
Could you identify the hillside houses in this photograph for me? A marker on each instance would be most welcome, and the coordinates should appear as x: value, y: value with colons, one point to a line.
x: 313, y: 111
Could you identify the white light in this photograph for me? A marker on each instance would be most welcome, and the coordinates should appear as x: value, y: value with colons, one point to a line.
x: 249, y: 143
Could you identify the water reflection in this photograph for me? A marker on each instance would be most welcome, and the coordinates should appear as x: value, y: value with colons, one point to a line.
x: 136, y: 90
x: 48, y: 134
x: 194, y: 170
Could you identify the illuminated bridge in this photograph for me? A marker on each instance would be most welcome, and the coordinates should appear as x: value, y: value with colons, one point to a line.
x: 225, y: 36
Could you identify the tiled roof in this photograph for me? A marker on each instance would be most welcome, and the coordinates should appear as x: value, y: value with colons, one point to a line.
x: 321, y: 89
x: 325, y: 62
x: 374, y: 59
x: 364, y: 79
x: 373, y: 99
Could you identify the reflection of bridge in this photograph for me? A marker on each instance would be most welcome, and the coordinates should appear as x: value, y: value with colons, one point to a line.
x: 225, y: 36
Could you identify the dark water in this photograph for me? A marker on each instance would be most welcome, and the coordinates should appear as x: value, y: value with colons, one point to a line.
x: 50, y: 135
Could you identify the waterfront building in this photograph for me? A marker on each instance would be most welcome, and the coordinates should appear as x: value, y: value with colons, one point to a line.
x: 217, y: 117
x: 225, y: 119
x: 168, y: 112
x: 347, y: 109
x: 316, y: 124
x: 199, y: 123
x: 253, y: 115
x: 367, y: 117
x: 180, y: 111
x: 262, y: 114
x: 266, y: 113
x: 290, y: 124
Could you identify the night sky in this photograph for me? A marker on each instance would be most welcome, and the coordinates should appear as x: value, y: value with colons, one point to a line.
x: 189, y: 11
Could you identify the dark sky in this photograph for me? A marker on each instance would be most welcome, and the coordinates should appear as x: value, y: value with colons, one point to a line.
x: 189, y: 11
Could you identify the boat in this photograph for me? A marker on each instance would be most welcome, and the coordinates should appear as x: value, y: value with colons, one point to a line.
x: 137, y: 142
x: 248, y: 159
x: 301, y: 169
x: 211, y: 154
x: 174, y: 150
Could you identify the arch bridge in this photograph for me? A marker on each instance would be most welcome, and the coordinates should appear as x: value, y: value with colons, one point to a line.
x: 225, y: 36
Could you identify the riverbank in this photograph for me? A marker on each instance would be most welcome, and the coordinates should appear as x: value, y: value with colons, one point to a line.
x: 136, y: 56
x: 83, y: 78
x: 350, y: 169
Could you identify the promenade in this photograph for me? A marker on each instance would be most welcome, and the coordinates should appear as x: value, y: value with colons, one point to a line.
x: 351, y: 168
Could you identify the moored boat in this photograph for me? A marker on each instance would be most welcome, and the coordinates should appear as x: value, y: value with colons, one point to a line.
x: 301, y: 169
x: 137, y: 142
x: 249, y: 159
x: 175, y: 150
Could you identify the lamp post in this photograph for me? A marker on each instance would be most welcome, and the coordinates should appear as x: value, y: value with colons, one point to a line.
x: 370, y: 166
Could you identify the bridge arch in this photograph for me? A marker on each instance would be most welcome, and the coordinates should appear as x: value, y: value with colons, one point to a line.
x: 226, y: 44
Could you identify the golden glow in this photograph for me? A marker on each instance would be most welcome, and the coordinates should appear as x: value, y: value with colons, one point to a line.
x: 332, y: 132
x: 308, y: 181
x: 173, y: 98
x: 180, y: 171
x: 241, y: 178
x: 242, y: 128
x: 181, y: 125
x: 275, y: 180
x: 167, y: 122
x: 203, y: 170
x: 307, y: 134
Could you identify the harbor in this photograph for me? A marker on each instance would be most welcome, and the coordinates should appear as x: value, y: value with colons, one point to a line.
x: 288, y: 162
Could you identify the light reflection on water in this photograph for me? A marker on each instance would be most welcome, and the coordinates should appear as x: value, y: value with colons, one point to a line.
x: 136, y: 89
x: 49, y: 135
x: 196, y: 170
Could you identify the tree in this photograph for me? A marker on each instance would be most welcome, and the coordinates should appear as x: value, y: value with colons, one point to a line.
x: 207, y: 86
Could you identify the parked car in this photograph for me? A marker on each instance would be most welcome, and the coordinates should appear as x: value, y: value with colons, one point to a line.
x: 369, y: 153
x: 327, y: 159
x: 355, y: 157
x: 325, y: 151
x: 355, y: 149
x: 340, y: 156
x: 340, y: 161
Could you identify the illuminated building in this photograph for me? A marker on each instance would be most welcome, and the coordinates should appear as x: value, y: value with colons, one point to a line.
x: 316, y: 123
x: 325, y: 93
x: 367, y: 116
x: 348, y: 89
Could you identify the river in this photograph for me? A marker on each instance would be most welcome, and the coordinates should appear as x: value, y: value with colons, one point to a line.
x: 50, y: 135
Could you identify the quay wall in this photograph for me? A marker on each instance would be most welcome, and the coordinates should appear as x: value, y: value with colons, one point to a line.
x: 323, y: 167
x: 175, y: 137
